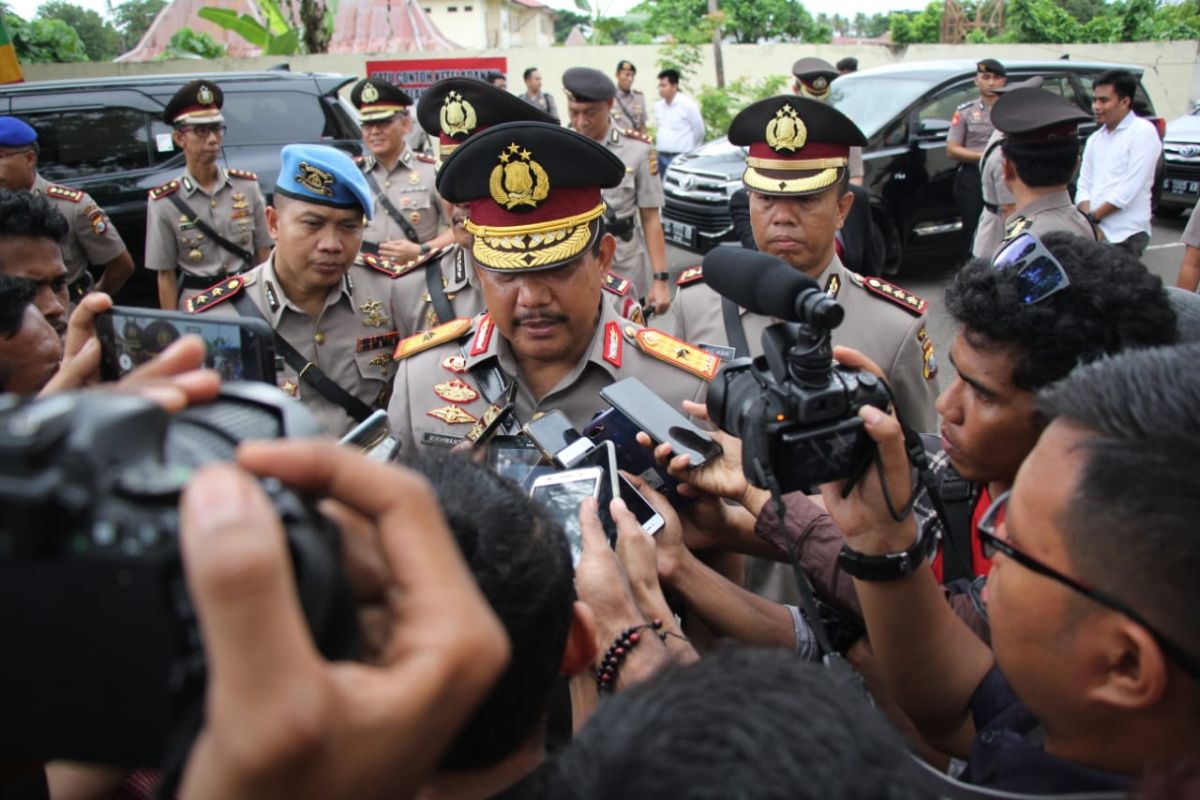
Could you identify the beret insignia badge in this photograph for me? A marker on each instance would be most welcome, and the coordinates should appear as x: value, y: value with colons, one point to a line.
x: 317, y: 181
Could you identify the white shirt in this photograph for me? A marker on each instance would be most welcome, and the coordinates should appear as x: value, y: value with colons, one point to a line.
x: 1118, y: 168
x: 679, y: 125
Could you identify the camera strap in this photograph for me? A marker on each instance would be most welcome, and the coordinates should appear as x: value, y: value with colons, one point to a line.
x: 840, y: 669
x: 309, y: 372
x: 393, y: 212
x: 194, y: 221
x: 735, y: 332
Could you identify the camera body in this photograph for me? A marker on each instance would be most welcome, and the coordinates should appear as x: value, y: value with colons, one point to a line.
x: 795, y: 410
x: 104, y: 659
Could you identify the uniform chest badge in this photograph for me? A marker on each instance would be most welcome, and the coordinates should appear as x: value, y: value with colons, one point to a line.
x: 518, y: 180
x: 455, y: 364
x: 383, y: 361
x: 786, y: 131
x: 456, y: 391
x: 372, y: 311
x: 291, y: 388
x: 414, y: 178
x: 452, y: 415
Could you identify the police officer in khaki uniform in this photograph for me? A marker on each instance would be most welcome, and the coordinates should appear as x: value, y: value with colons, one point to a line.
x: 633, y: 205
x: 335, y: 324
x: 548, y: 340
x: 91, y: 237
x: 209, y: 222
x: 408, y: 210
x: 1041, y: 152
x: 796, y: 176
x: 970, y: 129
x: 630, y: 108
x: 814, y: 79
x: 997, y: 199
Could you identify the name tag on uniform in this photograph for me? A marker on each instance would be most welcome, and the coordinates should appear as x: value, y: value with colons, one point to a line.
x: 719, y: 350
x: 440, y: 439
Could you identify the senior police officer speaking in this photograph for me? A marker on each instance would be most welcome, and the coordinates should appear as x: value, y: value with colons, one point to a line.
x: 335, y: 324
x: 796, y: 174
x: 208, y: 223
x: 91, y: 237
x: 548, y: 340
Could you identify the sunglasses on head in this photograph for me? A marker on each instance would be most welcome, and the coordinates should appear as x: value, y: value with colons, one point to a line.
x: 1039, y: 273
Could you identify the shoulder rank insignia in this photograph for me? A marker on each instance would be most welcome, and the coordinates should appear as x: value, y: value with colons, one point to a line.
x: 64, y: 193
x: 690, y: 276
x: 616, y: 284
x: 217, y: 293
x: 243, y: 173
x: 431, y: 338
x: 452, y: 415
x: 425, y: 157
x: 678, y: 353
x: 394, y: 269
x: 360, y: 160
x: 1017, y: 225
x: 168, y: 188
x: 901, y: 297
x: 632, y: 134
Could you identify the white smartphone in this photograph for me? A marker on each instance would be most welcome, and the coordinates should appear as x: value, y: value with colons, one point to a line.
x: 562, y: 493
x: 651, y: 521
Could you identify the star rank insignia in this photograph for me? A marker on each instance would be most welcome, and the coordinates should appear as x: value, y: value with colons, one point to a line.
x: 456, y: 391
x: 420, y: 342
x: 905, y: 299
x: 217, y: 293
x: 452, y: 415
x: 678, y: 353
x: 689, y: 276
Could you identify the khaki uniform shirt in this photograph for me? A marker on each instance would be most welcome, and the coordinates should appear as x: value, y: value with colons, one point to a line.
x: 883, y: 322
x: 1049, y: 213
x: 351, y: 341
x: 971, y: 125
x: 630, y: 110
x: 409, y: 186
x: 91, y: 237
x: 234, y: 210
x: 415, y: 308
x: 640, y: 188
x: 990, y: 231
x: 436, y: 399
x: 1191, y: 233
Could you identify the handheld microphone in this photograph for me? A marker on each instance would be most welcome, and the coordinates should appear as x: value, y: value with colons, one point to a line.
x: 769, y: 286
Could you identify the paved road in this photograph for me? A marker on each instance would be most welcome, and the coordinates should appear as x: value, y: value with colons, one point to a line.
x: 1162, y: 257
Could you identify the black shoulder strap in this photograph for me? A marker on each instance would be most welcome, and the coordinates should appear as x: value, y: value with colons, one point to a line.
x: 245, y: 255
x: 391, y: 210
x: 308, y: 371
x: 735, y: 333
x: 956, y: 493
x: 988, y: 152
x: 437, y: 292
x: 629, y: 116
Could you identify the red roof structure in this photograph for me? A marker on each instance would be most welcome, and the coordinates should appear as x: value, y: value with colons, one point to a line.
x: 361, y: 26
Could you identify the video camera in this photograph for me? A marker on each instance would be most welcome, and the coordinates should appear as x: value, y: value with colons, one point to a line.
x: 103, y: 656
x: 795, y: 410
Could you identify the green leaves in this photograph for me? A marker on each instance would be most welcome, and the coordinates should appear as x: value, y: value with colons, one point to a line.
x: 44, y: 41
x: 187, y: 43
x: 277, y: 38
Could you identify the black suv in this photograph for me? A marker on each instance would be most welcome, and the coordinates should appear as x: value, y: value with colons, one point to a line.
x: 106, y: 136
x: 905, y: 112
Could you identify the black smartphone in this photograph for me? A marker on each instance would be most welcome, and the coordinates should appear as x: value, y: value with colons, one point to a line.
x: 515, y: 457
x: 557, y: 438
x: 663, y: 423
x: 240, y: 348
x: 604, y: 456
x: 613, y: 426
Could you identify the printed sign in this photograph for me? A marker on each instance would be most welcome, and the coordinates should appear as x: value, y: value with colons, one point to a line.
x: 415, y: 75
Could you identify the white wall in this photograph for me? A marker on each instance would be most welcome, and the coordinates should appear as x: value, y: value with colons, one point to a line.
x: 1172, y: 69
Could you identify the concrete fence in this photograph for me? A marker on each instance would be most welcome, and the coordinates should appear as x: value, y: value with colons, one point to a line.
x: 1172, y: 69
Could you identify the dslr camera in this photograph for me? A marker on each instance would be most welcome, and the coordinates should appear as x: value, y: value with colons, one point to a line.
x: 103, y: 656
x: 795, y: 410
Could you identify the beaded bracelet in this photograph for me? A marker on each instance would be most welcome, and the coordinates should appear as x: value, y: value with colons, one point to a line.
x: 610, y: 664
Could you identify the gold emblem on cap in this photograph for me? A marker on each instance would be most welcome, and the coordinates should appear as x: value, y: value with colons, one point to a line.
x: 205, y: 96
x: 458, y: 115
x: 369, y: 93
x: 820, y: 83
x: 315, y: 180
x: 786, y: 131
x: 518, y: 180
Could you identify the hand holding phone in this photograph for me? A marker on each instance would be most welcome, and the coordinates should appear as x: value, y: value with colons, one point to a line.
x: 562, y: 493
x: 656, y: 417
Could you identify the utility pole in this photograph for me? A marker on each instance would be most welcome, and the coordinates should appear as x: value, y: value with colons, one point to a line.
x: 718, y: 62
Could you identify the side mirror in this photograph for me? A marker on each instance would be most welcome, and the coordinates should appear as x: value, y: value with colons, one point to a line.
x: 929, y: 129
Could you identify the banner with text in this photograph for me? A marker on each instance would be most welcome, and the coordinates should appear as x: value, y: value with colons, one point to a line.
x: 415, y: 75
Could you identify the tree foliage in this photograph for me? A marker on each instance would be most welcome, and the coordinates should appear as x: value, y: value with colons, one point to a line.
x: 565, y: 21
x: 101, y: 41
x: 187, y: 43
x: 745, y: 21
x: 918, y: 27
x: 718, y: 106
x: 276, y: 38
x: 133, y: 18
x: 44, y: 41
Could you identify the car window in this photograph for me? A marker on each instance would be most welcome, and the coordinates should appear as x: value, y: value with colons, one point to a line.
x: 83, y: 142
x: 944, y: 106
x: 872, y: 101
x: 272, y: 117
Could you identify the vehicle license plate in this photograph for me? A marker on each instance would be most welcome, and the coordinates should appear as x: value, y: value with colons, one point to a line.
x: 1177, y: 186
x: 679, y: 232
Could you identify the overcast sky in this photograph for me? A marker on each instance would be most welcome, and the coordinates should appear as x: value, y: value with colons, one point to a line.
x: 28, y: 8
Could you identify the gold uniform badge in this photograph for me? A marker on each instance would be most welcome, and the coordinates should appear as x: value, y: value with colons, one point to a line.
x: 518, y: 180
x: 316, y: 180
x: 457, y: 116
x: 369, y: 93
x: 786, y: 131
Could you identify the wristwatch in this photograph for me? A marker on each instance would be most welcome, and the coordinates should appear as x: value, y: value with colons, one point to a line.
x: 889, y: 567
x: 662, y: 276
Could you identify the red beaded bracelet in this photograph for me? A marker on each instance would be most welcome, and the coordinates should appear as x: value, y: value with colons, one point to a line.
x: 610, y: 664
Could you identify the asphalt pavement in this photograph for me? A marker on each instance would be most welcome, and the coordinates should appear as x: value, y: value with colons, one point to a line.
x: 929, y: 281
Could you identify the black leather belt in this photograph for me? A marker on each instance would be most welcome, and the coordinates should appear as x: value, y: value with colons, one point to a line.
x: 621, y: 228
x: 190, y: 281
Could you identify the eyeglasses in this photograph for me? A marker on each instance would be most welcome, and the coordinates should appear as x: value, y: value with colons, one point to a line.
x: 1039, y: 273
x: 992, y: 544
x: 204, y: 131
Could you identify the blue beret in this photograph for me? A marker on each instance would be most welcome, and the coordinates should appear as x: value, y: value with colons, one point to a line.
x: 16, y: 133
x: 323, y: 175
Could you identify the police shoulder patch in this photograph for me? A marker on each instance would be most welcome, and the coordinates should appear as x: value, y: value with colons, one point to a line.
x: 64, y: 193
x: 632, y: 134
x: 244, y: 174
x: 616, y: 284
x: 889, y: 291
x: 217, y: 293
x: 676, y: 352
x: 689, y: 276
x: 168, y: 188
x: 420, y: 342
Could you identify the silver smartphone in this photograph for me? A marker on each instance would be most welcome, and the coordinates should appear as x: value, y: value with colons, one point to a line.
x: 562, y: 493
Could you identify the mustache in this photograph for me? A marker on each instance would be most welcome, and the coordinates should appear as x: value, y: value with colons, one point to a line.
x: 542, y: 317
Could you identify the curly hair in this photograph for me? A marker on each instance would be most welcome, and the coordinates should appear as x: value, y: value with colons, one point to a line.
x: 1113, y: 303
x: 27, y: 214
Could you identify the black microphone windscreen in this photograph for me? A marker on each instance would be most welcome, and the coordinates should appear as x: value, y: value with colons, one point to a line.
x: 756, y: 281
